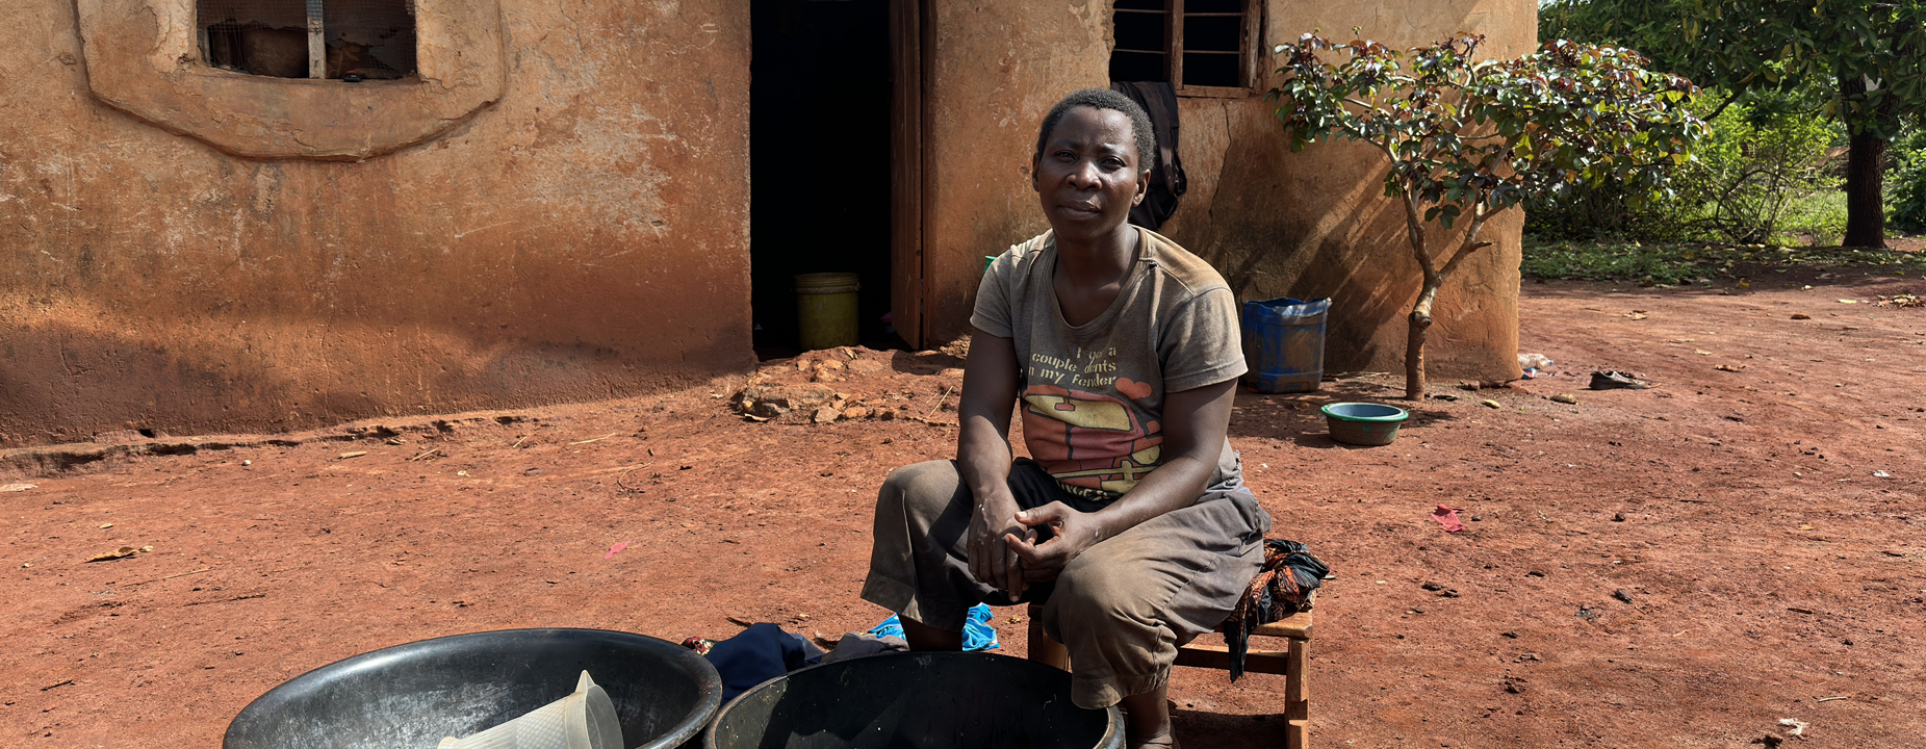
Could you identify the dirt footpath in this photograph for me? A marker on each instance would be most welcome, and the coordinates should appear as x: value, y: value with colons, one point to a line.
x: 1677, y: 567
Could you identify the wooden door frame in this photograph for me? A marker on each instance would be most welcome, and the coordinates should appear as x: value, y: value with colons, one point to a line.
x: 910, y: 42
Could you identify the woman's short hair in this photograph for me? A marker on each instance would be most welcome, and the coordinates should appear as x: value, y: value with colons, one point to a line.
x: 1103, y: 98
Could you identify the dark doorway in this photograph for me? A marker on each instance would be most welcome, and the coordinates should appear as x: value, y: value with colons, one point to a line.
x: 819, y: 147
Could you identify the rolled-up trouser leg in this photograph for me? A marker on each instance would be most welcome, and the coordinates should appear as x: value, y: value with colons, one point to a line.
x: 919, y: 566
x: 1122, y: 606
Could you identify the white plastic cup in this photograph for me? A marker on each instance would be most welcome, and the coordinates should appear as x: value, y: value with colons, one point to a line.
x: 583, y: 720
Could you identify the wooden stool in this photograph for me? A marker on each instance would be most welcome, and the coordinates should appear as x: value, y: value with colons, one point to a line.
x: 1289, y: 663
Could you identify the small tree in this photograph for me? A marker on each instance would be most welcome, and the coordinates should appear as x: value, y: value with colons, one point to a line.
x: 1870, y: 53
x: 1468, y: 140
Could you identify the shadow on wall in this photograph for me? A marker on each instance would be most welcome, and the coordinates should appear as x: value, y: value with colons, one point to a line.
x: 274, y: 332
x: 1305, y: 225
x: 205, y: 383
x: 317, y: 298
x: 1374, y: 294
x: 1368, y: 293
x: 52, y: 370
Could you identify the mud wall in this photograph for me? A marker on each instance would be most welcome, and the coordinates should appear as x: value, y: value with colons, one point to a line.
x: 997, y: 67
x: 1309, y: 224
x: 581, y: 233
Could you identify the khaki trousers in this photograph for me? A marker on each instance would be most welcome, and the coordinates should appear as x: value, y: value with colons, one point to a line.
x: 1120, y: 608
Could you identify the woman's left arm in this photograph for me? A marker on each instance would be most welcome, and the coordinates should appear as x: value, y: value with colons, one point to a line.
x: 1195, y: 422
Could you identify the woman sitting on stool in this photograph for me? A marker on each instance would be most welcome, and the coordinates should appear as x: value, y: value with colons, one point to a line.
x: 1132, y: 524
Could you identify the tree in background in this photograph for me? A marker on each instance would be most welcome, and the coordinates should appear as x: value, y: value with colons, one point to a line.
x: 1469, y: 139
x: 1870, y: 53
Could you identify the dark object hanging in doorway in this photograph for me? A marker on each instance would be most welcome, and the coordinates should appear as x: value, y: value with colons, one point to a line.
x: 1167, y: 180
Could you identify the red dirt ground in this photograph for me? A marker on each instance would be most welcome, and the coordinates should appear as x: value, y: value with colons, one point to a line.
x: 1770, y: 572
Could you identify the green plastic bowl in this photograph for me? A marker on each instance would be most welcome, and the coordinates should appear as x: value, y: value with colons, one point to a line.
x: 1364, y: 423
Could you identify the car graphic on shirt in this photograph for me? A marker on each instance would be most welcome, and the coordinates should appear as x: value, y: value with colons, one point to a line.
x: 1088, y: 439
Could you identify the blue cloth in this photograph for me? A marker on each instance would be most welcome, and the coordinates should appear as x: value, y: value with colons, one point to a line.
x: 977, y: 632
x: 760, y: 653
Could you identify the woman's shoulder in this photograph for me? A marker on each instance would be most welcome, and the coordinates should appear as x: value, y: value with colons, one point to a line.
x: 1193, y: 273
x: 1015, y: 264
x: 1035, y: 247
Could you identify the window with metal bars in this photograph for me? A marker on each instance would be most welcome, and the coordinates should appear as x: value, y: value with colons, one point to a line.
x: 1202, y: 47
x: 338, y: 39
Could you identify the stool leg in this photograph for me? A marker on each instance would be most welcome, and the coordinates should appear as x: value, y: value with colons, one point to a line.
x: 1297, y: 698
x: 1043, y: 649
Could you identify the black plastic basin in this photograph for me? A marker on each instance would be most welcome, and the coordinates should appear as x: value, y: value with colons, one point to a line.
x: 411, y: 696
x: 917, y: 701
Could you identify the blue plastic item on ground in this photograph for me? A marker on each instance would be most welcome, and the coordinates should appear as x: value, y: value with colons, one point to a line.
x: 1284, y: 344
x: 977, y: 632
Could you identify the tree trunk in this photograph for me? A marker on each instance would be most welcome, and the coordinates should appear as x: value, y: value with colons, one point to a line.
x: 1434, y: 279
x: 1414, y: 340
x: 1865, y: 201
x: 1414, y: 356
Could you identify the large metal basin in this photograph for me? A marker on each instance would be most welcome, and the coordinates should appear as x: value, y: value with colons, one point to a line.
x: 411, y: 696
x: 917, y: 701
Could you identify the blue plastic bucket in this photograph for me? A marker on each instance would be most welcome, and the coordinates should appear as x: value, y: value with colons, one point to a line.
x: 1284, y: 344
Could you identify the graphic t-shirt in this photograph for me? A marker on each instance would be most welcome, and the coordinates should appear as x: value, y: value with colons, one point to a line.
x: 1092, y: 395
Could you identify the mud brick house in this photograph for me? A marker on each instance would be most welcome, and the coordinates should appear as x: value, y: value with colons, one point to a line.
x: 207, y: 223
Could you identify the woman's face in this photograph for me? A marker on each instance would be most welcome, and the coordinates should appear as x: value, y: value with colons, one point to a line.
x: 1088, y: 175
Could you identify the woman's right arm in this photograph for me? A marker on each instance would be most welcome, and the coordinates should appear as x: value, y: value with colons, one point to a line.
x: 983, y: 460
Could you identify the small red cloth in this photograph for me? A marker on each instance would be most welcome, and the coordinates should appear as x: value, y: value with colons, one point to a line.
x: 1448, y: 518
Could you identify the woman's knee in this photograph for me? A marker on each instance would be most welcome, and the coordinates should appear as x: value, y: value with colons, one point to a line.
x: 916, y: 486
x: 1103, y: 593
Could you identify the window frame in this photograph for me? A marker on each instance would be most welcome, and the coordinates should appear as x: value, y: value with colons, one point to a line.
x: 1173, y: 48
x: 154, y: 73
x: 316, y: 30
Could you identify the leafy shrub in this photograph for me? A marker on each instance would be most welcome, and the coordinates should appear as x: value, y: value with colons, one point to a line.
x: 1760, y: 159
x: 1588, y: 212
x: 1754, y: 176
x: 1909, y: 192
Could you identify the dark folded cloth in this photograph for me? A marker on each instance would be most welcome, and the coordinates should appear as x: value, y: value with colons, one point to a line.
x: 1283, y: 588
x: 760, y: 653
